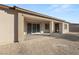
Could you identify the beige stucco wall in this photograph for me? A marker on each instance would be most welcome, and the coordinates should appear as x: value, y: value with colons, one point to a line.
x: 13, y: 25
x: 20, y: 27
x: 6, y: 27
x: 60, y: 28
x: 51, y: 27
x: 65, y: 30
x: 42, y: 27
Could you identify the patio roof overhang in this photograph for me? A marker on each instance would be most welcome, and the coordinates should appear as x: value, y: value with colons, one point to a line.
x: 38, y: 14
x: 25, y: 11
x: 32, y: 18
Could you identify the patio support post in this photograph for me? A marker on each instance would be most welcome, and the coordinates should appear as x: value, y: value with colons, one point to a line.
x: 51, y: 27
x: 60, y: 28
x: 42, y: 28
x: 20, y: 27
x: 63, y: 29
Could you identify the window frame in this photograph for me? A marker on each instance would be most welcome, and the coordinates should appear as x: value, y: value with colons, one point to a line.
x: 47, y: 26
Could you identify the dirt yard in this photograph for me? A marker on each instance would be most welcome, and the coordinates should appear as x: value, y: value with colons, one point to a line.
x: 56, y: 44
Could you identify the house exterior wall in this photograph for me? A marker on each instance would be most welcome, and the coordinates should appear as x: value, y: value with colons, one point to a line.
x: 6, y: 27
x: 63, y: 28
x: 60, y: 28
x: 20, y: 27
x: 13, y: 26
x: 42, y: 27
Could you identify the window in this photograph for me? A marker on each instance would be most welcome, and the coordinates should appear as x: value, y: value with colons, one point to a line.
x: 33, y: 28
x: 47, y: 26
x: 65, y: 26
x: 36, y: 28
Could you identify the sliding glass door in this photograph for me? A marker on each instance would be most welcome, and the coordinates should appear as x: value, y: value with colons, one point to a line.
x: 38, y: 27
x: 33, y: 28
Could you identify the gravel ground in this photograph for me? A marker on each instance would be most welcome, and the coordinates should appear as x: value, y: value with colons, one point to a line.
x: 67, y: 44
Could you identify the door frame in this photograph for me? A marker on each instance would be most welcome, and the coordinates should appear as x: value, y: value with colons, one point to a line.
x: 33, y: 29
x: 57, y: 27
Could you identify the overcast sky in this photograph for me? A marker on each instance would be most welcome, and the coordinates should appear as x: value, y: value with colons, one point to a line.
x: 68, y: 12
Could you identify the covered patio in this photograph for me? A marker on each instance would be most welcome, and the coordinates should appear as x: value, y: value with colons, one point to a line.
x: 31, y: 24
x: 39, y: 25
x: 36, y: 25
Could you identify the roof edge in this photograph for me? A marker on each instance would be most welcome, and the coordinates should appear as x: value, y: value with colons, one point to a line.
x: 39, y: 14
x: 32, y: 13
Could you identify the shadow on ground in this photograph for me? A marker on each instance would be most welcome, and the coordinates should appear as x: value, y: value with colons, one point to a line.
x: 45, y: 44
x: 70, y: 37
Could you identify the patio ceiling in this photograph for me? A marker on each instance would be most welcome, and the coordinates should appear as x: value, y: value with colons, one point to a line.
x: 35, y: 18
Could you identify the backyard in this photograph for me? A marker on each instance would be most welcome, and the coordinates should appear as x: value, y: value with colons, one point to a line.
x: 55, y: 44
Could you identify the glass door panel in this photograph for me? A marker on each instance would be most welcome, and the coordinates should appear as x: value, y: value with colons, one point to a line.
x: 34, y: 28
x: 38, y: 27
x: 29, y: 27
